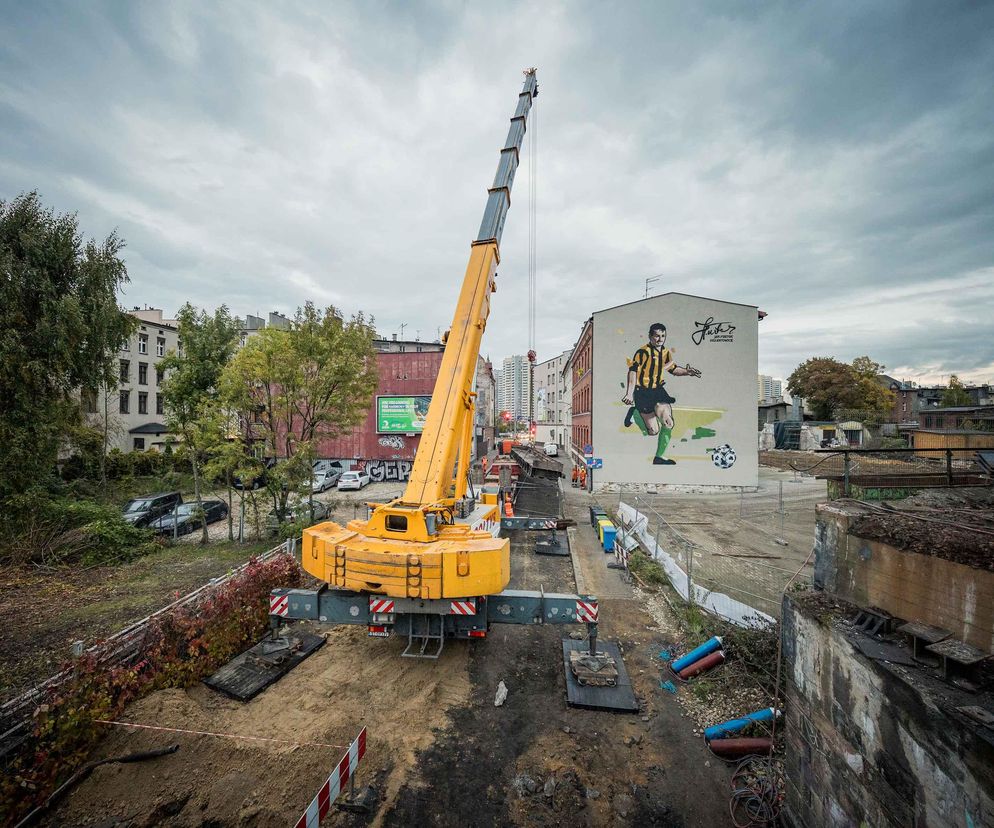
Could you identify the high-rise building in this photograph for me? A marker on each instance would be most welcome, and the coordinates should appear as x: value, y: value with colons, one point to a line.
x: 499, y: 382
x: 768, y: 388
x: 516, y: 382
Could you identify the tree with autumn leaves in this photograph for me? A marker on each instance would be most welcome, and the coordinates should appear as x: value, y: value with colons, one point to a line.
x: 828, y: 385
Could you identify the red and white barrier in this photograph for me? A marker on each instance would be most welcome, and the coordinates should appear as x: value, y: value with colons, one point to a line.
x: 334, y: 784
x: 279, y: 605
x: 381, y: 604
x: 586, y: 611
x: 466, y: 607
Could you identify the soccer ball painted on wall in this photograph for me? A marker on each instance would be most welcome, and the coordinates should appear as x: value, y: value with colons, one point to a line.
x: 723, y: 456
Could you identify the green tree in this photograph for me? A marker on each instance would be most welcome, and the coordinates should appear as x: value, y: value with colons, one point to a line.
x: 60, y: 327
x: 955, y: 393
x: 191, y: 386
x: 828, y: 385
x: 314, y: 380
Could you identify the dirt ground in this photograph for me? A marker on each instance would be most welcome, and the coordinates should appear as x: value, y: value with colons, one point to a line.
x: 439, y: 751
x: 954, y: 524
x: 735, y: 542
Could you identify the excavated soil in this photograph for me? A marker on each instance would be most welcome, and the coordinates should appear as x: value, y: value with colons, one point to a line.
x: 954, y: 524
x: 439, y: 752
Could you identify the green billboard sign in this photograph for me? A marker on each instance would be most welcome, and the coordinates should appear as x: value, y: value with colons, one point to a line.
x: 401, y: 415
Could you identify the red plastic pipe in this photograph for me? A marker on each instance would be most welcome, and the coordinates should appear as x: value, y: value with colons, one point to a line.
x: 732, y: 748
x: 702, y: 664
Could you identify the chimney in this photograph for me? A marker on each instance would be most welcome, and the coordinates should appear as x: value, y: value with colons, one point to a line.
x: 394, y: 337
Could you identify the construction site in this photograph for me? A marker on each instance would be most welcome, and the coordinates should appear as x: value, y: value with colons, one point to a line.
x: 669, y: 619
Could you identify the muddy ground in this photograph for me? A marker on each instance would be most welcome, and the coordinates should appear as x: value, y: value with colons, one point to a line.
x: 439, y: 751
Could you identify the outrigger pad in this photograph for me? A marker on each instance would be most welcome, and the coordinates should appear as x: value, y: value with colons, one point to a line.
x: 619, y: 699
x: 554, y: 545
x: 248, y: 674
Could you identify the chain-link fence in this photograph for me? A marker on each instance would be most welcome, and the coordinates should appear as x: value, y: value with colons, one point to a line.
x: 879, y: 473
x: 731, y: 553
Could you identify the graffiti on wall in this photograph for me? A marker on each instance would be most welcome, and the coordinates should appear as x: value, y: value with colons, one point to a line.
x: 388, y: 471
x: 394, y: 441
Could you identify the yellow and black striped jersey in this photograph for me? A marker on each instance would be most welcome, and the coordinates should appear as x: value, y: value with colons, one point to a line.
x: 650, y: 366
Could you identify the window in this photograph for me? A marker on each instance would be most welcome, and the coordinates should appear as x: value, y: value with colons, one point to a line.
x: 160, y: 346
x: 158, y: 404
x: 143, y: 343
x: 139, y: 444
x: 89, y: 401
x: 143, y: 373
x: 125, y: 370
x: 143, y: 402
x: 125, y: 404
x: 158, y: 375
x: 126, y: 345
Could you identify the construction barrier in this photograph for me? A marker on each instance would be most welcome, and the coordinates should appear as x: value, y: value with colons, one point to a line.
x: 334, y: 784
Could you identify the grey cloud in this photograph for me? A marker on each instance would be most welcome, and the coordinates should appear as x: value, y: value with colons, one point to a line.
x: 801, y: 158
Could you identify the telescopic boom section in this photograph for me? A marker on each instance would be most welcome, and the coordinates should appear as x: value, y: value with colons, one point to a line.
x: 434, y: 543
x: 450, y: 412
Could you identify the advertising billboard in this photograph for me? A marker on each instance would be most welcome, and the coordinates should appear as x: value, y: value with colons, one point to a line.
x: 401, y: 415
x: 674, y: 392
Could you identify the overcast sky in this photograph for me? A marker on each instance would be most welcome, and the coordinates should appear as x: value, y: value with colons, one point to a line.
x: 832, y: 163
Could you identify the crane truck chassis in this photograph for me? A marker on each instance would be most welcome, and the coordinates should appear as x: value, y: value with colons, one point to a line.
x: 428, y: 622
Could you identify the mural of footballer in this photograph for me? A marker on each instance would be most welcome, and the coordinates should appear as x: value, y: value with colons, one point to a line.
x: 651, y: 404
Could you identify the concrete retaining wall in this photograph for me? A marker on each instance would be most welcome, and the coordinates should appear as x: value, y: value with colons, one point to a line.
x: 911, y: 586
x: 865, y: 748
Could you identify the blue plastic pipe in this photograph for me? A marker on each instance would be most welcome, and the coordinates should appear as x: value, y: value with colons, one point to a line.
x: 706, y: 648
x: 728, y: 728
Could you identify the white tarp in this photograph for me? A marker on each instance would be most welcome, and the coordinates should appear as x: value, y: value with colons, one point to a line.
x: 718, y: 603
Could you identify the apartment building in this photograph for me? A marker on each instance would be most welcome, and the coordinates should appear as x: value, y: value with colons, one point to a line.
x: 516, y: 383
x: 768, y: 388
x: 553, y: 400
x: 134, y: 411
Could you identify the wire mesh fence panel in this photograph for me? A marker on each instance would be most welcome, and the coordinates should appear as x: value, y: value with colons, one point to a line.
x: 732, y: 548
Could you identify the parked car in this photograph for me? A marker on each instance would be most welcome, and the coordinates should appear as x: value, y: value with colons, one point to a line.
x: 352, y: 480
x: 255, y: 482
x: 551, y: 450
x: 325, y: 479
x: 185, y: 518
x: 299, y: 511
x: 143, y: 510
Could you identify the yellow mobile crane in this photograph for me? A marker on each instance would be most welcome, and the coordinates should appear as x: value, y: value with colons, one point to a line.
x: 431, y: 563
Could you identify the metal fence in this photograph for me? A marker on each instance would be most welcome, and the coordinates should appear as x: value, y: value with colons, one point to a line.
x: 735, y: 553
x: 877, y: 473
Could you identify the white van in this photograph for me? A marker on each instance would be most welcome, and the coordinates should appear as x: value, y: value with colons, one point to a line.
x: 552, y: 450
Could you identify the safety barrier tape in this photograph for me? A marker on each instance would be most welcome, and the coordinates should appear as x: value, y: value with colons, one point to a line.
x: 220, y: 735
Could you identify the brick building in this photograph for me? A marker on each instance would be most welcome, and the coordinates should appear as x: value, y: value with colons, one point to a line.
x: 580, y: 365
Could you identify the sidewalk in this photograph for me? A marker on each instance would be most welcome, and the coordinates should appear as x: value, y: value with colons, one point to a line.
x: 589, y: 559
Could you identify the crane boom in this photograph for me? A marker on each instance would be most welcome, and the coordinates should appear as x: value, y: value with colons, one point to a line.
x: 450, y: 412
x: 433, y: 542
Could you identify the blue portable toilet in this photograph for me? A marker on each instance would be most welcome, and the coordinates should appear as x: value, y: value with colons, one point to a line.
x: 608, y: 533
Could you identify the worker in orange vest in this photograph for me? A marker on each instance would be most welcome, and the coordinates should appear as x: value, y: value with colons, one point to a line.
x: 576, y: 475
x: 583, y: 477
x: 484, y: 464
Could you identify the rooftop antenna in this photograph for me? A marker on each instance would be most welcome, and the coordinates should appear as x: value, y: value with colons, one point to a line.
x: 650, y: 281
x: 402, y: 326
